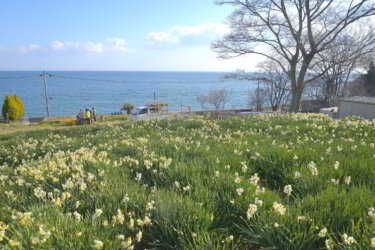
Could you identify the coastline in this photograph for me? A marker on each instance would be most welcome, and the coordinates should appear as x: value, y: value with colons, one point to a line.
x: 68, y: 92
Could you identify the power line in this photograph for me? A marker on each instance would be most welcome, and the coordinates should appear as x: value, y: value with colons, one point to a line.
x: 88, y: 79
x: 15, y: 77
x: 128, y: 81
x: 108, y: 80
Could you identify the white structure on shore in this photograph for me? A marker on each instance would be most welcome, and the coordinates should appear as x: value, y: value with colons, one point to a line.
x: 331, y: 112
x: 362, y: 106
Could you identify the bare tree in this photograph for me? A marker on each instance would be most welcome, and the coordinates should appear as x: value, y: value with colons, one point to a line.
x: 275, y: 82
x: 293, y: 31
x: 218, y: 98
x: 202, y: 100
x: 257, y: 98
x: 348, y: 53
x: 285, y: 102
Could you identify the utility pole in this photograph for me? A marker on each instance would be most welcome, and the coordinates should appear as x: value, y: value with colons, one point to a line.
x: 45, y: 74
x: 258, y: 97
x: 154, y: 95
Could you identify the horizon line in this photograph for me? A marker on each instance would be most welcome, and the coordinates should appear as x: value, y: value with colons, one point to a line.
x: 89, y: 70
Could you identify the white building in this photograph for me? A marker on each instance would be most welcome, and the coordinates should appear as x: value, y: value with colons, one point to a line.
x: 362, y: 106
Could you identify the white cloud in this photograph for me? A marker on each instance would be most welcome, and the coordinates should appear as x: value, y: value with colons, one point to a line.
x: 117, y: 41
x: 84, y: 46
x: 217, y: 28
x: 162, y: 37
x: 91, y: 47
x: 118, y: 44
x: 57, y: 45
x: 29, y: 48
x: 112, y: 44
x: 176, y: 33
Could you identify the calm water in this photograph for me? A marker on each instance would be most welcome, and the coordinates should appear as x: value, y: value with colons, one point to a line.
x: 107, y: 91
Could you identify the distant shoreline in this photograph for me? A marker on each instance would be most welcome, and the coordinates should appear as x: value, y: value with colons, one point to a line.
x: 70, y: 91
x: 126, y: 71
x: 66, y: 118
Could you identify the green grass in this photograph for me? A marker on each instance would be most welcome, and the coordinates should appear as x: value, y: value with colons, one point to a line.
x: 189, y: 184
x: 53, y: 123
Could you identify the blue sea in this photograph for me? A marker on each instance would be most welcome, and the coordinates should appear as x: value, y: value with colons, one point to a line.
x: 70, y: 91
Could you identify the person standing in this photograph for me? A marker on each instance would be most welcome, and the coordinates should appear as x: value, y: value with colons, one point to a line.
x: 85, y: 117
x: 93, y: 114
x: 81, y: 117
x: 88, y: 116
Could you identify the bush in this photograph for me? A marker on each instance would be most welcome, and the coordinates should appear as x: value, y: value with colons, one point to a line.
x: 13, y: 107
x: 127, y: 107
x: 71, y: 123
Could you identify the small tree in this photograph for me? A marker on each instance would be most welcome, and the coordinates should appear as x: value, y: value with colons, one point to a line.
x: 13, y: 108
x: 275, y: 82
x: 202, y: 100
x: 128, y: 108
x: 218, y: 98
x: 350, y: 52
x: 257, y: 98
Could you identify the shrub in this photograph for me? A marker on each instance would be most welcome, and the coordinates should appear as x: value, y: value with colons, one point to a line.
x: 127, y: 107
x: 71, y: 122
x: 13, y: 107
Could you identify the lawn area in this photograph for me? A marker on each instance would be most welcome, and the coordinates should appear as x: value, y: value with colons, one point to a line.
x: 52, y: 123
x: 274, y: 181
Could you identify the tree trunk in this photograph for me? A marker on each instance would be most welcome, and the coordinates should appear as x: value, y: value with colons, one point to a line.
x: 291, y: 109
x: 293, y: 82
x: 299, y: 86
x: 297, y: 99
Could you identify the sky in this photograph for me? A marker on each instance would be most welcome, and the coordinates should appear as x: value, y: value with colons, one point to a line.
x: 125, y: 35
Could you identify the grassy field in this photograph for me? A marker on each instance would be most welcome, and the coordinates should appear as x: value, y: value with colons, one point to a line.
x: 292, y: 181
x: 52, y: 123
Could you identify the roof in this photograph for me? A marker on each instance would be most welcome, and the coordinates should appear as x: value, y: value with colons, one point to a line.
x: 361, y: 99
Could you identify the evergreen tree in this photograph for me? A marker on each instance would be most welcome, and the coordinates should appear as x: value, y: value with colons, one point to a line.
x: 370, y: 75
x: 370, y: 79
x: 13, y: 107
